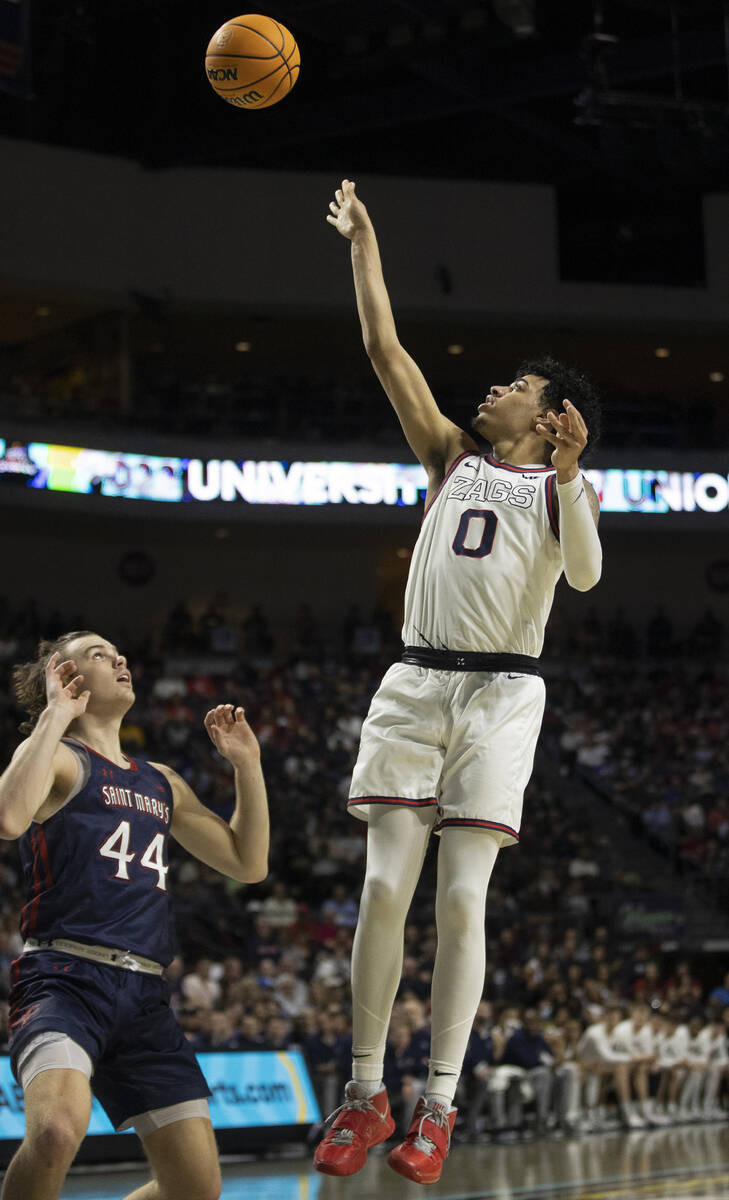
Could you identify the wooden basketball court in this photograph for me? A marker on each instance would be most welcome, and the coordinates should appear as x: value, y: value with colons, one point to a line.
x: 665, y: 1164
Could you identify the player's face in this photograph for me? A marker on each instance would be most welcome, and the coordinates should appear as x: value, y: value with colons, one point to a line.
x: 105, y: 673
x: 510, y: 408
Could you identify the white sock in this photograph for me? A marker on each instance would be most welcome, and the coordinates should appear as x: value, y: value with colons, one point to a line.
x: 363, y: 1088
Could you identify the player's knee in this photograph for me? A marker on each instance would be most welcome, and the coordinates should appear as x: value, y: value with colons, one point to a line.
x: 380, y: 896
x: 54, y: 1142
x: 463, y: 910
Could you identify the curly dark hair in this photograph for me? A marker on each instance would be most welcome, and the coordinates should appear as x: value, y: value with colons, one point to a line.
x: 29, y: 678
x: 570, y: 383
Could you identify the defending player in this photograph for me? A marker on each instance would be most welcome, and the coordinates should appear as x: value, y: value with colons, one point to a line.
x: 449, y: 741
x: 88, y: 1006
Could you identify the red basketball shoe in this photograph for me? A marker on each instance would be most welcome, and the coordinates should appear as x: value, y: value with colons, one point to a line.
x: 421, y: 1156
x: 360, y: 1124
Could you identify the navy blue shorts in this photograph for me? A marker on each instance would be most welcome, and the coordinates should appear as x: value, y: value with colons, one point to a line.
x: 121, y: 1018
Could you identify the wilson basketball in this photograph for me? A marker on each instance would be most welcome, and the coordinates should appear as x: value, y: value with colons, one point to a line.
x: 252, y: 61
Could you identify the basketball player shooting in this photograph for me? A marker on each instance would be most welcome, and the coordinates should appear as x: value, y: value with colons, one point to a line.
x: 88, y: 1005
x: 448, y: 744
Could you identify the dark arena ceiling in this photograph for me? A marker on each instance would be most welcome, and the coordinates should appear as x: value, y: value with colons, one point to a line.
x: 612, y: 95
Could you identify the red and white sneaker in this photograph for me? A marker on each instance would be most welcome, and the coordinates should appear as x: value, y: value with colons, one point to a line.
x: 360, y: 1124
x: 421, y: 1156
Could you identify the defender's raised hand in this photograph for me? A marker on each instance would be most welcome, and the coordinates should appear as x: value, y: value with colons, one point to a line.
x: 63, y: 687
x: 348, y: 213
x: 231, y: 734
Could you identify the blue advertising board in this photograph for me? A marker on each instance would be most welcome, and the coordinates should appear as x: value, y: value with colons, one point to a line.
x: 254, y: 1089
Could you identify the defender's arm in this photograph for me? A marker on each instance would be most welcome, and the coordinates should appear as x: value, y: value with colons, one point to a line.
x: 42, y: 764
x: 238, y: 849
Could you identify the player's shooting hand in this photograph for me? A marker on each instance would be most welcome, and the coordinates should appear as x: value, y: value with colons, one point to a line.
x: 567, y: 432
x: 347, y: 213
x: 63, y: 688
x: 231, y: 734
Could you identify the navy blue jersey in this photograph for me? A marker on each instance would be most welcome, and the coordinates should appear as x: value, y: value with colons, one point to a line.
x: 96, y: 871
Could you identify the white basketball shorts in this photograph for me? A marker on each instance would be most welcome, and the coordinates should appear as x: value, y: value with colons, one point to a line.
x: 461, y: 742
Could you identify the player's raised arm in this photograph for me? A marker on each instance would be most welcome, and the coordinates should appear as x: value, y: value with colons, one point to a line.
x: 42, y: 763
x: 434, y: 439
x: 238, y: 849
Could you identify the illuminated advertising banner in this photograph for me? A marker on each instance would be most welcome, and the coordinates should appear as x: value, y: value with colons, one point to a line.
x: 199, y: 481
x: 255, y: 1089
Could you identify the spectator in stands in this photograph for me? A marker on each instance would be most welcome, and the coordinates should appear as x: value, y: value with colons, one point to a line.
x: 279, y: 909
x: 325, y: 1051
x: 604, y: 1065
x: 200, y: 988
x: 405, y: 1072
x: 485, y: 1048
x: 720, y: 994
x: 524, y: 1071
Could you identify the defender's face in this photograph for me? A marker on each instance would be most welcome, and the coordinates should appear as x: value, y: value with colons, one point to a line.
x: 105, y: 673
x: 510, y: 409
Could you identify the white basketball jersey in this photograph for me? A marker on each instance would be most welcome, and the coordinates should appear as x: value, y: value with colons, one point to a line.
x: 487, y: 560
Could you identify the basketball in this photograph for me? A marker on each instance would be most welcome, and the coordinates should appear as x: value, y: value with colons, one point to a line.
x: 252, y: 61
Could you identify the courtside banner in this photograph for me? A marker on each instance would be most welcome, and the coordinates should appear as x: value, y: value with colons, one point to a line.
x: 260, y: 1088
x: 197, y: 482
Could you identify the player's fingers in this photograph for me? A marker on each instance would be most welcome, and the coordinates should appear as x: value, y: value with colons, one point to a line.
x: 52, y: 661
x: 332, y: 220
x: 547, y: 434
x: 73, y: 684
x: 209, y: 721
x: 577, y: 421
x: 558, y: 420
x: 339, y: 196
x: 334, y: 207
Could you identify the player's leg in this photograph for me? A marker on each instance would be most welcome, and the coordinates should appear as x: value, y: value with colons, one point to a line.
x: 397, y: 839
x: 184, y: 1161
x: 466, y: 859
x: 57, y: 1110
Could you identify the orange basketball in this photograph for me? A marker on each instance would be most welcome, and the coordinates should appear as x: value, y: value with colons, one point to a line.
x: 252, y: 61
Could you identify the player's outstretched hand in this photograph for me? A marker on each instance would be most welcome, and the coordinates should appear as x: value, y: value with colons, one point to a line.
x: 63, y: 688
x: 347, y: 212
x: 231, y: 734
x: 567, y: 432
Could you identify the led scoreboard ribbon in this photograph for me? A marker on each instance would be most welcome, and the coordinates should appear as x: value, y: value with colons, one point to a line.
x: 168, y: 479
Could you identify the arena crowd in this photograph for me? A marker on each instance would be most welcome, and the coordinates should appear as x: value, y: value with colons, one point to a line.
x: 582, y: 1025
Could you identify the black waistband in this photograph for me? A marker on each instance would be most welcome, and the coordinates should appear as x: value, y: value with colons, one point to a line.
x: 468, y: 660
